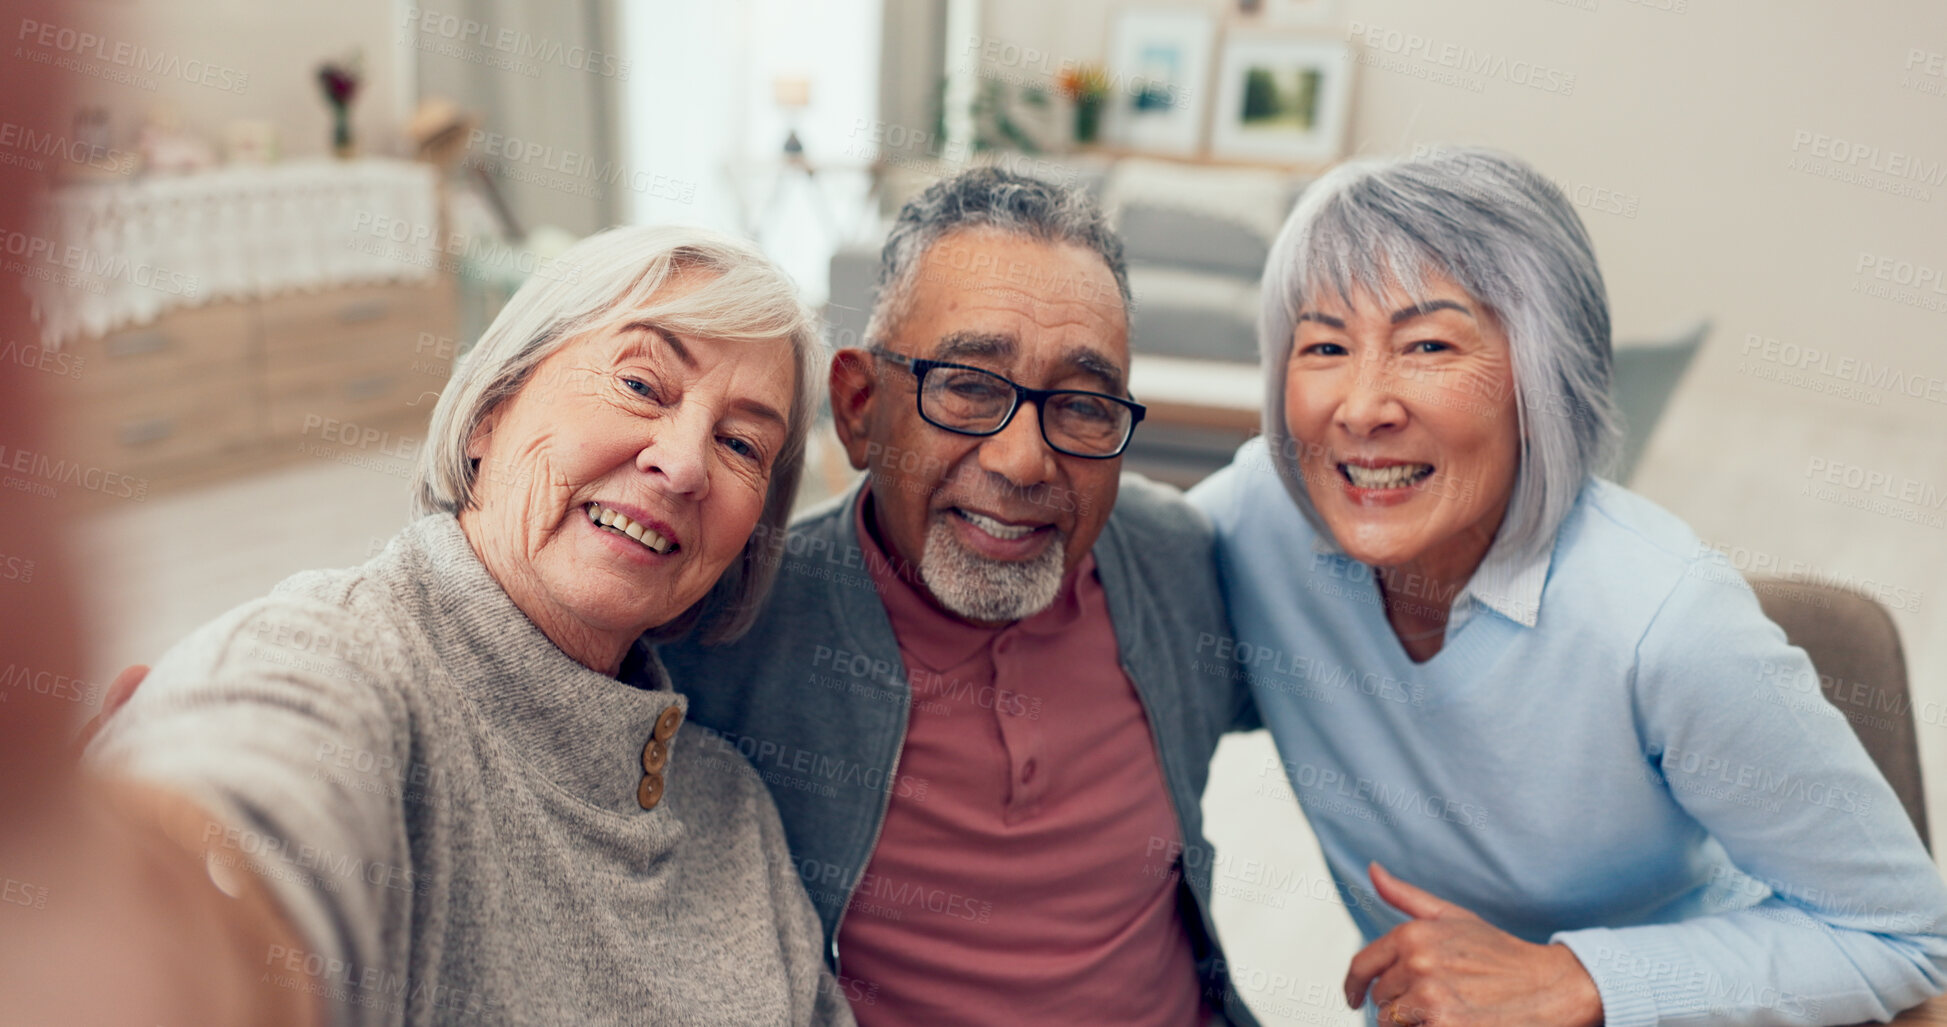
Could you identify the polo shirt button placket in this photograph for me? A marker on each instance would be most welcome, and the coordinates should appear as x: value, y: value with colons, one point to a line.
x: 1021, y: 738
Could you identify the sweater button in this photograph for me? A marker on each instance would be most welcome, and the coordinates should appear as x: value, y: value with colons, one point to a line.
x: 649, y: 791
x: 655, y: 756
x: 666, y: 725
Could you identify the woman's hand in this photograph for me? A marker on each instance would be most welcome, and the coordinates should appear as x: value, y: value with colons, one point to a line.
x: 1449, y: 967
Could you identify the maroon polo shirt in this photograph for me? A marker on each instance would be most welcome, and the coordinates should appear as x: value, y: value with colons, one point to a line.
x: 1031, y: 883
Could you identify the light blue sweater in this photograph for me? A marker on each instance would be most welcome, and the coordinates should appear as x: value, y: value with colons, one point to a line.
x: 1649, y: 774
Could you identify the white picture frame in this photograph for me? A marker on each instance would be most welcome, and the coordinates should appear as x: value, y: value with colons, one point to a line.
x: 1159, y: 79
x: 1281, y: 98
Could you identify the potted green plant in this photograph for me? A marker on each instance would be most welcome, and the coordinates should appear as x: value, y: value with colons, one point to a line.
x: 1087, y: 86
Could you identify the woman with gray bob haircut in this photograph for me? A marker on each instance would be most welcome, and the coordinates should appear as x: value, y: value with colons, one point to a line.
x: 422, y: 777
x: 1531, y: 692
x: 748, y: 300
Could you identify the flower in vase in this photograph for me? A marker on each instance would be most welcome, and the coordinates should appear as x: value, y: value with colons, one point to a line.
x: 340, y: 80
x: 1084, y: 83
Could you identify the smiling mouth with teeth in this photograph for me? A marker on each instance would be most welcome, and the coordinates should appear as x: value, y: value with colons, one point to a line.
x: 994, y: 527
x: 609, y: 520
x: 1397, y: 476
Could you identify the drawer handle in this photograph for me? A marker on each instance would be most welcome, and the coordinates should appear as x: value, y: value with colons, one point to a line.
x: 136, y: 344
x: 145, y: 432
x: 361, y: 311
x: 368, y: 388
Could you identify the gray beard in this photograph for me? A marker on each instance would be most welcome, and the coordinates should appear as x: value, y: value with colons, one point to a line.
x: 980, y: 589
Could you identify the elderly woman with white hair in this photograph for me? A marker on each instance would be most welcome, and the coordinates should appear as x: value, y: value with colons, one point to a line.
x: 421, y: 779
x: 1525, y: 689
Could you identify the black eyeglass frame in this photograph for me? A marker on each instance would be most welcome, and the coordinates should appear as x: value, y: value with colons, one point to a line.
x: 920, y: 367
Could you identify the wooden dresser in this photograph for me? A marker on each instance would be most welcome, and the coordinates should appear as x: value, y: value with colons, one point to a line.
x: 346, y: 374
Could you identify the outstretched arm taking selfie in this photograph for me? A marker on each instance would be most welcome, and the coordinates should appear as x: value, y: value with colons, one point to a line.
x: 236, y: 741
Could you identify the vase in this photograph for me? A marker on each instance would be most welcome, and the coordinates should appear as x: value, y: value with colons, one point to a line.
x: 1088, y: 121
x: 341, y: 132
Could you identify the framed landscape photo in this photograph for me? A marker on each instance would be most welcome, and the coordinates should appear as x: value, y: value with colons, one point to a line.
x: 1159, y: 77
x: 1281, y: 97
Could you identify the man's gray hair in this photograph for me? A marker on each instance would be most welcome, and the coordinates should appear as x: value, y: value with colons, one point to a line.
x: 619, y: 276
x: 991, y: 198
x: 1508, y: 236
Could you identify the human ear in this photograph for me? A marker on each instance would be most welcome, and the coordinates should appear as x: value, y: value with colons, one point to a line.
x: 854, y: 390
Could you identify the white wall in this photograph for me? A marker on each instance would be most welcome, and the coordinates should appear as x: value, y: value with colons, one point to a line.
x: 1693, y: 112
x: 277, y: 45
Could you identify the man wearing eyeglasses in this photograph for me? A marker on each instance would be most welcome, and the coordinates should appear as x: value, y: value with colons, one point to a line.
x: 981, y: 691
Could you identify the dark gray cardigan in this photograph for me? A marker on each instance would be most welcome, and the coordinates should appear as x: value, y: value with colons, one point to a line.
x: 829, y: 754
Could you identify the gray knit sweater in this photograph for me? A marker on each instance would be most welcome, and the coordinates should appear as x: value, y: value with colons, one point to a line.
x: 447, y: 807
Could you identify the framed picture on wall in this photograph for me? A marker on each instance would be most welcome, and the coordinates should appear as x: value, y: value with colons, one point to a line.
x: 1281, y: 97
x: 1159, y: 74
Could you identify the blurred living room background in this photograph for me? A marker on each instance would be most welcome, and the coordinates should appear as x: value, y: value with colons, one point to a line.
x: 316, y: 207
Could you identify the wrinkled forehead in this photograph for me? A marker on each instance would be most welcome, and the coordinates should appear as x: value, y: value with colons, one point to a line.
x: 1055, y: 282
x: 764, y: 371
x: 1022, y: 332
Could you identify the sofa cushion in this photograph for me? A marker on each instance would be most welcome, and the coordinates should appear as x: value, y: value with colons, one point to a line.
x: 1210, y: 218
x: 1198, y: 314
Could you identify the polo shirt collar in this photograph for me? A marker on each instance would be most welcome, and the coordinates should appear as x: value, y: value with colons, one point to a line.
x: 1504, y: 583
